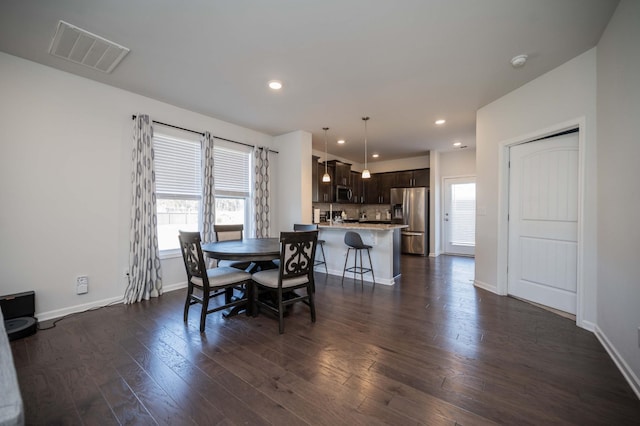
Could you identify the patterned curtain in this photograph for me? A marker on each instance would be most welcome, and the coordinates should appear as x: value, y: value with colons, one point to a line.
x: 208, y: 189
x: 145, y: 276
x: 261, y: 191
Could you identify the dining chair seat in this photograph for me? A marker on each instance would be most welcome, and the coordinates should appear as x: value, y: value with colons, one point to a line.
x: 269, y: 278
x: 221, y: 275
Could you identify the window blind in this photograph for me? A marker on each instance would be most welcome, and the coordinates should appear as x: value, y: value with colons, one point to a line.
x: 232, y: 172
x: 177, y: 164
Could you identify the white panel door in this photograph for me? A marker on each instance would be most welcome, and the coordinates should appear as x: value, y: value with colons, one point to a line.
x: 543, y: 222
x: 459, y: 216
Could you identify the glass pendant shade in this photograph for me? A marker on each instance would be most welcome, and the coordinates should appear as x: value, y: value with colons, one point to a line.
x: 325, y: 177
x: 365, y: 172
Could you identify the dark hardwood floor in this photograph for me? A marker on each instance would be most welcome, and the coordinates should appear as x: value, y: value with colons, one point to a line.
x: 430, y: 350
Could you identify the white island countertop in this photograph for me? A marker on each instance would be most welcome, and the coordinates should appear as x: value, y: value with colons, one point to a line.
x: 362, y: 225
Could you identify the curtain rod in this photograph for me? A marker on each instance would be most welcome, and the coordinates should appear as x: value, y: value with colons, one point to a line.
x: 133, y: 117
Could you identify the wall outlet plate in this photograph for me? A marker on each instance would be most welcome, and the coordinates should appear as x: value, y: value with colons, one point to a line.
x: 82, y: 284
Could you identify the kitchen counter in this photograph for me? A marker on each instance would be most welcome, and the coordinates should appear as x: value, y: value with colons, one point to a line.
x: 376, y: 225
x: 385, y: 254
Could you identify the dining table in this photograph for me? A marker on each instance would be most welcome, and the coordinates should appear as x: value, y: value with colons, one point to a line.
x: 258, y: 250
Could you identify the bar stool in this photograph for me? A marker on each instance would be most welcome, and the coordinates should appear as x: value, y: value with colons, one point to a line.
x: 354, y: 242
x: 314, y: 227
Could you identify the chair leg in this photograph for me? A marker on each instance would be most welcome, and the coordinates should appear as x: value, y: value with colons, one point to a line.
x: 324, y: 259
x: 371, y: 266
x: 355, y: 265
x: 280, y: 312
x: 312, y: 305
x: 361, y: 272
x: 205, y: 308
x: 187, y: 303
x: 345, y: 266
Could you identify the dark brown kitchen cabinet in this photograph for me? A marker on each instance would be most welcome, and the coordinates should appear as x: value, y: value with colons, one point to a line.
x: 378, y: 188
x: 357, y: 188
x: 325, y: 189
x: 410, y: 178
x: 342, y: 173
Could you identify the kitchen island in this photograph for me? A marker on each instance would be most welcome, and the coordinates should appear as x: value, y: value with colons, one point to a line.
x: 385, y: 254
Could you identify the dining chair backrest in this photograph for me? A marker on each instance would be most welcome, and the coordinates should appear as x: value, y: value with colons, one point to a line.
x: 192, y: 256
x: 297, y: 254
x: 228, y: 232
x: 304, y: 227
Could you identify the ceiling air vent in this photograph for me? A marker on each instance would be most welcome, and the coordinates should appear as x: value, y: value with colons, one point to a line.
x: 77, y: 45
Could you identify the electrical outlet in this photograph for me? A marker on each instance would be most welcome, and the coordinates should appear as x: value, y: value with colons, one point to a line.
x: 82, y: 284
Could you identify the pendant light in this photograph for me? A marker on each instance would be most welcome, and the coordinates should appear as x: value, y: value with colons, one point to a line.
x: 365, y: 172
x: 326, y: 177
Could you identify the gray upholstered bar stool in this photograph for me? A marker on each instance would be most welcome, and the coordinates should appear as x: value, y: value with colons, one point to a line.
x: 313, y: 227
x: 354, y: 242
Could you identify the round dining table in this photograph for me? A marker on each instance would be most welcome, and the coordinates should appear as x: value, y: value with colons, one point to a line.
x: 249, y: 249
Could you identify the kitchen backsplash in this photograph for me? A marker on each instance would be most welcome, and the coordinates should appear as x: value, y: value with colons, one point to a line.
x: 371, y: 212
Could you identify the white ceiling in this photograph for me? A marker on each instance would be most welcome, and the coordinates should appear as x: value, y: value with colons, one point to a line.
x: 404, y: 63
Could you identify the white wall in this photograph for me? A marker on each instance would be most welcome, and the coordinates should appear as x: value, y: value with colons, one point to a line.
x: 65, y: 146
x: 461, y: 162
x: 294, y: 184
x: 618, y: 189
x: 565, y: 94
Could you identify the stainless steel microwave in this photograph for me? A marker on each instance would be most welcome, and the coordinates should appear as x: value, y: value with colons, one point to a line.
x: 344, y: 194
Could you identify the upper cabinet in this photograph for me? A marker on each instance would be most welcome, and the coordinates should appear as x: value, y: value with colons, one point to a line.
x: 325, y: 189
x: 342, y: 173
x: 410, y: 178
x: 357, y: 187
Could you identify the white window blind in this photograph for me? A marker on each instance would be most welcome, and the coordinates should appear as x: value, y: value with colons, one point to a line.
x: 232, y: 172
x: 463, y: 214
x: 178, y: 171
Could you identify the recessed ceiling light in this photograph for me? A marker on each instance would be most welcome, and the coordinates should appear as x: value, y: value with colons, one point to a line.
x: 341, y: 141
x: 440, y: 122
x: 275, y: 84
x: 375, y: 155
x: 457, y: 144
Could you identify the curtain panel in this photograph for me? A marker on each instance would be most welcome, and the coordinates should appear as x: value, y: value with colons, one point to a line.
x: 261, y: 191
x: 145, y: 275
x: 208, y: 189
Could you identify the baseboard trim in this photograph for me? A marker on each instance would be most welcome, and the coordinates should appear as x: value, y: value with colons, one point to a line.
x: 485, y: 286
x: 58, y: 313
x: 622, y: 365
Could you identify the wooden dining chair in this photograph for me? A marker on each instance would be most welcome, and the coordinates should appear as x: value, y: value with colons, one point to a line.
x: 231, y: 233
x: 297, y: 254
x: 313, y: 227
x: 212, y: 283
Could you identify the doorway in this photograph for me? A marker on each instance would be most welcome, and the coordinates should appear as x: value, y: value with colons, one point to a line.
x: 459, y: 216
x: 543, y: 221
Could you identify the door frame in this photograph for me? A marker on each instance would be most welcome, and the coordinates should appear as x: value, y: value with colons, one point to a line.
x: 443, y: 207
x: 503, y: 207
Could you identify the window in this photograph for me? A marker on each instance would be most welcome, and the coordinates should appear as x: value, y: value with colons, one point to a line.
x: 178, y: 188
x: 233, y: 185
x: 178, y: 169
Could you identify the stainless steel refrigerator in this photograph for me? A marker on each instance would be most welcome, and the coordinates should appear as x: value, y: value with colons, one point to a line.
x: 410, y: 206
